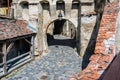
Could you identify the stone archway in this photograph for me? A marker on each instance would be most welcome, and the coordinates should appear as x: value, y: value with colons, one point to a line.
x: 48, y: 14
x: 61, y: 32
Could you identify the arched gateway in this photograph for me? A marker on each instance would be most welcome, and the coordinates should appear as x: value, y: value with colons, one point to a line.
x: 42, y: 12
x: 57, y: 19
x: 61, y: 32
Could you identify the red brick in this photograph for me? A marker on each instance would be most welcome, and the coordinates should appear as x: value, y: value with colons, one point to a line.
x: 95, y: 57
x: 100, y: 60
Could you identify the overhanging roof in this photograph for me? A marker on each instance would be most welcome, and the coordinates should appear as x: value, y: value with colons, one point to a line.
x: 13, y: 29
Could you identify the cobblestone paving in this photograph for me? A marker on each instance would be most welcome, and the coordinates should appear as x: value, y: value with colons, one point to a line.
x: 59, y: 64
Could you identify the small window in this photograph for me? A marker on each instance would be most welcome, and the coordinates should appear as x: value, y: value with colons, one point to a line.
x: 60, y: 5
x: 24, y: 4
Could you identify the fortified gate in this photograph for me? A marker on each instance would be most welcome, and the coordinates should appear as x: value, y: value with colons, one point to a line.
x: 72, y: 18
x: 90, y: 27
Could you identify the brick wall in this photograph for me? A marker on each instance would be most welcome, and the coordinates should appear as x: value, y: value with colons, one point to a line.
x: 105, y: 45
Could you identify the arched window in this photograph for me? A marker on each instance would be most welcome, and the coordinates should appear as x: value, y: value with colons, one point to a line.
x: 75, y: 8
x: 75, y: 4
x: 45, y: 5
x: 46, y: 8
x: 24, y: 5
x: 60, y: 7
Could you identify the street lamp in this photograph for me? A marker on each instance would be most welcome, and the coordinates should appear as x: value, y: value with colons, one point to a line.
x: 60, y: 15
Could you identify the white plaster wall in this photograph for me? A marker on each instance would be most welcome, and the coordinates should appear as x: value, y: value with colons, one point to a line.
x: 25, y: 14
x: 33, y: 11
x: 85, y: 9
x: 87, y: 27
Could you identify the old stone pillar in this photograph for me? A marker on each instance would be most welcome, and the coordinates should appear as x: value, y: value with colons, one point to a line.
x: 40, y: 29
x: 53, y: 10
x: 68, y: 10
x: 53, y: 15
x: 67, y: 15
x: 33, y: 22
x: 67, y: 28
x: 46, y: 21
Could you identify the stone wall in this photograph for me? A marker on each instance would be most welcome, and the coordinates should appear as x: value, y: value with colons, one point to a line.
x: 87, y: 7
x: 42, y: 14
x: 105, y: 49
x: 117, y: 40
x: 87, y: 27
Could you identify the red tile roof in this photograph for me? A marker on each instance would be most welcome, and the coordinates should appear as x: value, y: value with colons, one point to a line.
x: 13, y: 28
x: 102, y: 57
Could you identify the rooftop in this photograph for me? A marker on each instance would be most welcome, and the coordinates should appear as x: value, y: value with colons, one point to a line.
x: 13, y: 28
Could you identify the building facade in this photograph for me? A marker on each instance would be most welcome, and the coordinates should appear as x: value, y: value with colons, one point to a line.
x: 42, y: 14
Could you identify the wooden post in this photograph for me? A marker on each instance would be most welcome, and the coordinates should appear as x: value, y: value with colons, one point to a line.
x: 4, y: 58
x: 32, y: 47
x: 9, y: 47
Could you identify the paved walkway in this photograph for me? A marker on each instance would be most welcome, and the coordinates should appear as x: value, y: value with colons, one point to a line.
x: 60, y: 63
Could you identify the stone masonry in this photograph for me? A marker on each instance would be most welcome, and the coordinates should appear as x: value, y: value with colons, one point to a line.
x: 41, y: 13
x: 105, y: 49
x: 85, y: 17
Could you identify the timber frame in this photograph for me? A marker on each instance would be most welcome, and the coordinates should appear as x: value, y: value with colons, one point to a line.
x: 7, y: 47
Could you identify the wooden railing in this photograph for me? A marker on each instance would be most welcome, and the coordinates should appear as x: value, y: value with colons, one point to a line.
x: 14, y: 63
x: 7, y: 66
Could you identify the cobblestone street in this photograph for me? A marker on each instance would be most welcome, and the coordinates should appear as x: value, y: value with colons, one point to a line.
x: 59, y: 39
x: 60, y: 63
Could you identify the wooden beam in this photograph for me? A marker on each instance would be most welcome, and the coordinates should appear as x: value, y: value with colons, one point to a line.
x: 9, y: 47
x: 15, y: 67
x: 4, y: 50
x: 18, y: 57
x: 32, y: 47
x: 28, y: 42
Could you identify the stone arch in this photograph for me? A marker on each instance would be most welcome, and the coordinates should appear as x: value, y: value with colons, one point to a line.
x: 50, y: 17
x: 76, y: 1
x: 45, y: 5
x: 20, y: 1
x: 58, y: 19
x: 24, y: 4
x: 71, y: 34
x: 44, y: 0
x: 71, y: 20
